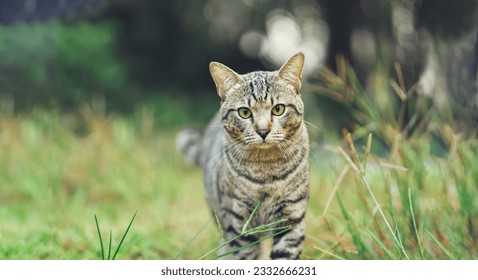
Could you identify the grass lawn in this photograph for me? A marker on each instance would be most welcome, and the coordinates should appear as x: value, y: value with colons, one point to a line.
x: 58, y: 171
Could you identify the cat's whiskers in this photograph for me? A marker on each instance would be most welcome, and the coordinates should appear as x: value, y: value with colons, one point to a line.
x: 244, y: 152
x: 286, y: 150
x: 312, y: 125
x: 224, y: 152
x: 215, y: 126
x: 276, y: 139
x: 234, y: 149
x: 286, y: 145
x: 223, y: 155
x: 314, y: 154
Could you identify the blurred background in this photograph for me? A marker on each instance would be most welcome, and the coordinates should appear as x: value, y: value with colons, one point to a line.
x: 116, y: 55
x: 92, y: 93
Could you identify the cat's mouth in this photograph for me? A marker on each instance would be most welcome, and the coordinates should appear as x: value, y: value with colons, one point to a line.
x: 263, y: 145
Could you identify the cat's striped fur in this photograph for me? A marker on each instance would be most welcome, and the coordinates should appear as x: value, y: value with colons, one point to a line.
x: 244, y: 159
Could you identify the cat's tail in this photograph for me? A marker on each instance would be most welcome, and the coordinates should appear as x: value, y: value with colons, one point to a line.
x: 189, y: 143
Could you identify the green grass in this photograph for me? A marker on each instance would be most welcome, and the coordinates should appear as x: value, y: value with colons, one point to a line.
x: 58, y: 170
x: 418, y: 199
x: 110, y: 244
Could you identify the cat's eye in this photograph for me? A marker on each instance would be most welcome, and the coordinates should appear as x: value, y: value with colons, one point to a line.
x: 278, y: 109
x: 244, y: 112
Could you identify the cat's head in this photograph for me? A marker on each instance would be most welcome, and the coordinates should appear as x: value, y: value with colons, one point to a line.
x: 261, y: 109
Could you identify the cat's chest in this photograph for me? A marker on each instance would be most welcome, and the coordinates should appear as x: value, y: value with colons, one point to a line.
x: 255, y: 181
x: 272, y: 172
x: 272, y: 192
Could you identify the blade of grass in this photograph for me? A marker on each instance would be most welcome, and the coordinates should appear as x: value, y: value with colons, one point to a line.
x: 367, y: 153
x: 192, y: 239
x: 393, y: 166
x: 101, y: 239
x: 376, y: 239
x: 269, y: 229
x: 124, y: 235
x: 252, y: 243
x: 329, y: 253
x: 319, y: 241
x: 401, y: 79
x: 369, y: 189
x: 263, y: 227
x: 244, y: 228
x: 422, y: 255
x: 218, y: 247
x: 456, y: 250
x: 365, y: 182
x: 334, y: 190
x: 438, y: 243
x: 355, y: 156
x: 400, y: 92
x: 357, y: 240
x: 219, y: 225
x: 258, y: 229
x: 348, y: 159
x: 394, y: 215
x: 109, y: 246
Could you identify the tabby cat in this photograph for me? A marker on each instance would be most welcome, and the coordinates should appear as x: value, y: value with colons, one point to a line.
x: 256, y: 146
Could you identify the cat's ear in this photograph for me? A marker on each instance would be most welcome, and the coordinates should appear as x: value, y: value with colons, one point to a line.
x: 224, y: 78
x: 291, y: 71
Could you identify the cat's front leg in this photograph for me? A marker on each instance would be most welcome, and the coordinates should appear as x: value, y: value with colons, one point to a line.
x: 236, y: 241
x: 288, y: 245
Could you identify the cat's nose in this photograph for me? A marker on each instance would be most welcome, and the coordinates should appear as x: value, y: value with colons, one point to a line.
x: 263, y: 132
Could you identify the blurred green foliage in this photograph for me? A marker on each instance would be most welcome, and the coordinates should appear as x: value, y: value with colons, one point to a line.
x: 65, y: 66
x: 87, y: 64
x: 61, y: 65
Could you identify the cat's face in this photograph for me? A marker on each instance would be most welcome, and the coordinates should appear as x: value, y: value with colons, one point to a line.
x: 261, y: 109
